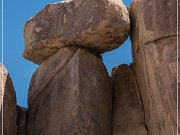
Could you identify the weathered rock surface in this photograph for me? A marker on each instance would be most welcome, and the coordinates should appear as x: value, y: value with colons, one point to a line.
x: 76, y: 101
x: 128, y: 110
x: 8, y: 101
x: 153, y: 20
x: 100, y: 25
x: 48, y: 70
x: 154, y: 39
x: 22, y: 120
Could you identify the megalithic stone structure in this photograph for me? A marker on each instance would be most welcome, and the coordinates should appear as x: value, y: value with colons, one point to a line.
x: 7, y: 103
x: 128, y: 108
x: 75, y: 99
x: 70, y: 92
x: 154, y: 45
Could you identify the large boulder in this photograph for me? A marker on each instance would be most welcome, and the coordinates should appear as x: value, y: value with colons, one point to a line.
x: 154, y: 46
x: 7, y: 103
x: 128, y: 109
x: 76, y: 96
x: 100, y: 25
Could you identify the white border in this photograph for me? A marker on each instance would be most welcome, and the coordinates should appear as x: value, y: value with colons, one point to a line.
x: 2, y: 61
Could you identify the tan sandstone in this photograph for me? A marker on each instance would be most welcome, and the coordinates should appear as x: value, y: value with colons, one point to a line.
x: 154, y: 39
x: 48, y: 70
x: 100, y: 25
x: 7, y: 103
x: 76, y: 100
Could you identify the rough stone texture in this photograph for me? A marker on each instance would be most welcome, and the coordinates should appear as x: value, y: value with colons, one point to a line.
x: 77, y: 100
x: 22, y: 120
x: 128, y: 110
x: 101, y: 25
x: 8, y: 100
x: 153, y: 20
x: 48, y: 70
x: 154, y: 37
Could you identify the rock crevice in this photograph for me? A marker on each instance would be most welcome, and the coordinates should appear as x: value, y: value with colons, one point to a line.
x: 141, y: 99
x: 162, y: 38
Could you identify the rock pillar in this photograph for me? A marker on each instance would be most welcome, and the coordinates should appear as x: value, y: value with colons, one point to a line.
x: 154, y: 46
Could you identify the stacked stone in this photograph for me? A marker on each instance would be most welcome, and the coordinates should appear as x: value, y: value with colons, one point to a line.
x: 70, y: 92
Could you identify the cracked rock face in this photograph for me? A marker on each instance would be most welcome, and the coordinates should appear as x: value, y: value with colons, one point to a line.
x: 8, y: 100
x: 154, y: 40
x: 75, y: 98
x: 128, y: 109
x: 100, y: 25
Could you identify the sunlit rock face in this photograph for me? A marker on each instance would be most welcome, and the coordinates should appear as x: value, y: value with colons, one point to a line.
x: 7, y: 103
x: 100, y: 25
x: 154, y: 47
x: 71, y: 92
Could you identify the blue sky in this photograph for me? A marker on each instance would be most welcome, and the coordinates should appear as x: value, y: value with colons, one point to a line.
x: 16, y: 13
